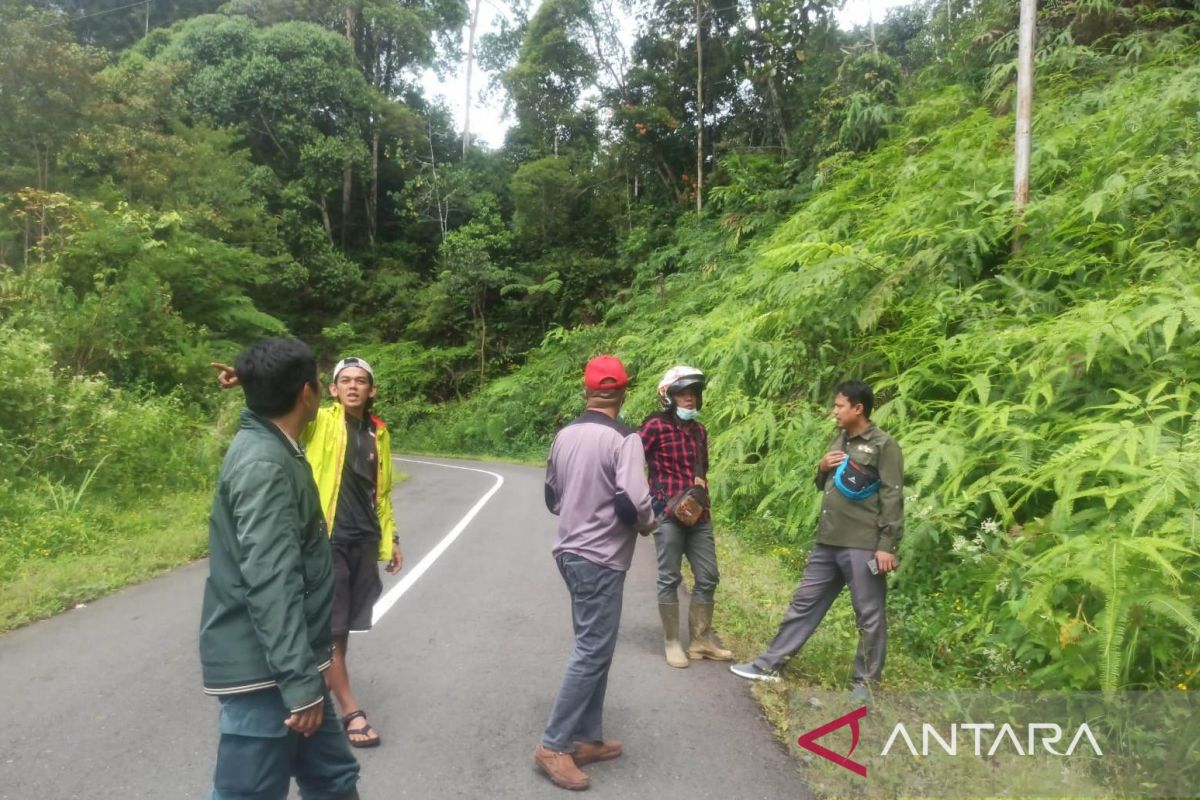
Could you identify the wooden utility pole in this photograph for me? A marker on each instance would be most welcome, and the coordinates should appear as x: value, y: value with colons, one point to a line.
x: 871, y: 22
x: 1024, y: 144
x: 699, y: 111
x: 470, y: 70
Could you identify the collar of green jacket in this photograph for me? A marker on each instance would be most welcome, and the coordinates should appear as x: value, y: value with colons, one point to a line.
x: 253, y: 421
x: 871, y: 433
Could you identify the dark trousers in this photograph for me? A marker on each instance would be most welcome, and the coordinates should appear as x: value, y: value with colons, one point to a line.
x: 829, y: 569
x: 596, y: 594
x: 672, y: 542
x: 258, y: 755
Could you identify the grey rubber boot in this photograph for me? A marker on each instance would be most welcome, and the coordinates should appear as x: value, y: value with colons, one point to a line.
x: 702, y: 645
x: 669, y: 612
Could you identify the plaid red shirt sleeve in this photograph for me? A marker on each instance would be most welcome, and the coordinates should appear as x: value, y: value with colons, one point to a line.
x: 674, y: 456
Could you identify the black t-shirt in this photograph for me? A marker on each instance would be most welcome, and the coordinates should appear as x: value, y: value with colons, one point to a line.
x: 356, y: 518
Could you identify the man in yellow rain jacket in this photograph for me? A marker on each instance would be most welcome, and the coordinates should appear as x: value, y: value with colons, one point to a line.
x: 351, y: 456
x: 350, y: 453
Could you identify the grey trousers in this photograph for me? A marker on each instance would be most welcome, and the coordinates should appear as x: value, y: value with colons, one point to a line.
x: 829, y: 569
x: 596, y: 594
x: 673, y: 541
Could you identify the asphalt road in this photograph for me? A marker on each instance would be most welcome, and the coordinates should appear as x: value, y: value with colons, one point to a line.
x: 458, y: 676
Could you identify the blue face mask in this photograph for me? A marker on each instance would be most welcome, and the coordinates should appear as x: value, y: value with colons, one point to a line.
x: 686, y: 414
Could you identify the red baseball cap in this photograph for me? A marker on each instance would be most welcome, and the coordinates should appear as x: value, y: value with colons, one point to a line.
x: 605, y: 372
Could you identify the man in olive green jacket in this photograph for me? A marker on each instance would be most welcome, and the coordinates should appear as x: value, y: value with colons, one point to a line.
x: 265, y: 622
x: 349, y: 451
x: 861, y: 478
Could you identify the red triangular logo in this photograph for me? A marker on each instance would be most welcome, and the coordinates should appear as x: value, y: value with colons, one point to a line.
x: 809, y: 741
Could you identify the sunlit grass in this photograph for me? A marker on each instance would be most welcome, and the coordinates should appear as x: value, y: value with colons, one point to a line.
x: 145, y: 540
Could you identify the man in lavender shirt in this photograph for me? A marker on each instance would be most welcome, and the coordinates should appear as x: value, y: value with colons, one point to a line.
x: 596, y: 484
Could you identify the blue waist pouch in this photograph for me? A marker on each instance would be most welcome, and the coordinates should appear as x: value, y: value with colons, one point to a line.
x: 856, y: 481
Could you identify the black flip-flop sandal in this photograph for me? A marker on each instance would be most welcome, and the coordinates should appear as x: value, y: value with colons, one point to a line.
x: 365, y: 730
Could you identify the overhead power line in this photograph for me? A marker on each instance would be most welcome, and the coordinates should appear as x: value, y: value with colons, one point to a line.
x: 69, y: 20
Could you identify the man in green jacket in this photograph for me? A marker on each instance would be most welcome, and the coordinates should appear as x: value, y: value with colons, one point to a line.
x: 861, y: 479
x: 265, y: 623
x: 349, y: 450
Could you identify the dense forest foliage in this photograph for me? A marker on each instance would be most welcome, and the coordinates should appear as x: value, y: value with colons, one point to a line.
x: 785, y: 205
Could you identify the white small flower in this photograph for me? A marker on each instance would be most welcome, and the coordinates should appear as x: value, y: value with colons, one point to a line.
x: 990, y: 526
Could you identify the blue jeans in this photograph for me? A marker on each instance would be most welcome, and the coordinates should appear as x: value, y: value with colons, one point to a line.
x: 258, y: 755
x: 596, y: 593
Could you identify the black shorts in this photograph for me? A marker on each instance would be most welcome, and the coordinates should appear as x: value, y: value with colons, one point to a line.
x: 356, y: 585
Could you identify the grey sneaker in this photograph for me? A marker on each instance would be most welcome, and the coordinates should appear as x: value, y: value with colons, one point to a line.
x: 753, y: 673
x: 860, y: 693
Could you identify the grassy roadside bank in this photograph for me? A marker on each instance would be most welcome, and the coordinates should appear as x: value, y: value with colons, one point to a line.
x: 115, y: 546
x: 756, y: 587
x: 122, y: 546
x: 755, y: 590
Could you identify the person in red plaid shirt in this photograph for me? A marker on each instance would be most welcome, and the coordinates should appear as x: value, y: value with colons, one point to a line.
x: 676, y: 448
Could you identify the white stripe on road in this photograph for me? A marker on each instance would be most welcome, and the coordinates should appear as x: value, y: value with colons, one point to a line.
x: 385, y: 603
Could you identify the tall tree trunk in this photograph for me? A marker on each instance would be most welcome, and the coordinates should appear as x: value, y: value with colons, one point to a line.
x: 871, y: 26
x: 324, y: 206
x: 667, y: 175
x: 630, y: 190
x: 347, y: 193
x: 777, y: 102
x: 482, y: 319
x: 372, y: 194
x: 351, y: 28
x: 764, y: 54
x: 442, y: 214
x: 617, y: 71
x: 42, y: 156
x: 699, y: 112
x: 470, y: 71
x: 351, y: 19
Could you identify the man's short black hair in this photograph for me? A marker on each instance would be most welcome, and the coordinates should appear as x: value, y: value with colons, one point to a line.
x: 857, y: 392
x: 272, y: 373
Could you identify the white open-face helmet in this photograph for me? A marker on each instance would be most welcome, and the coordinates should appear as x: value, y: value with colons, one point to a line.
x: 678, y: 378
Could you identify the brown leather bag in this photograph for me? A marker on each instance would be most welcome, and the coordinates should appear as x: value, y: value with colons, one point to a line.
x: 687, y: 507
